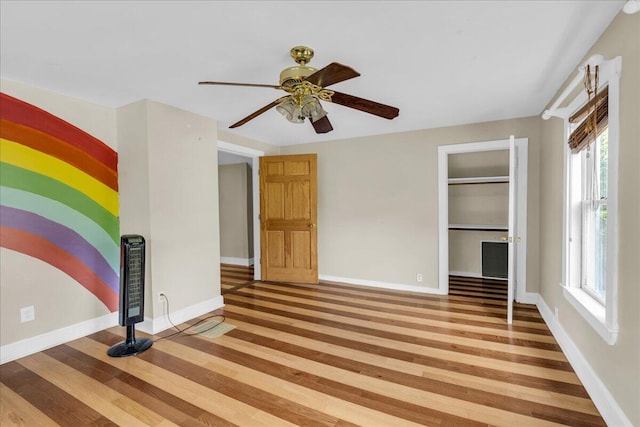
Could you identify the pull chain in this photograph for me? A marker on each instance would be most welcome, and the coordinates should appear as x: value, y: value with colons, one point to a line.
x: 592, y: 131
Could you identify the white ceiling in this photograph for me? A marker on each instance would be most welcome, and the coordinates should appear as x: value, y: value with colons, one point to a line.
x: 441, y: 63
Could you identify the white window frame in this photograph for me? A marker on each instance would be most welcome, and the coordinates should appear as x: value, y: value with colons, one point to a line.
x: 603, y: 317
x: 588, y: 217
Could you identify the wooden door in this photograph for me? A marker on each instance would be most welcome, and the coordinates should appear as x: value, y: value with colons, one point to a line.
x: 288, y: 218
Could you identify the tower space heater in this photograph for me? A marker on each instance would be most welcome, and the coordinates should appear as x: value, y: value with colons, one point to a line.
x: 132, y: 247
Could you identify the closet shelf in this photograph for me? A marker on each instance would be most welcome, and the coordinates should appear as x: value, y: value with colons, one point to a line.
x: 479, y: 180
x: 479, y: 227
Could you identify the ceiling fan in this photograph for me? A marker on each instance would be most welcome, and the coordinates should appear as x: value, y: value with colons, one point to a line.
x: 306, y: 87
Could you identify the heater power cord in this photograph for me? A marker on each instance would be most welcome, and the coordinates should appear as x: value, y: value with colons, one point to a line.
x: 185, y: 331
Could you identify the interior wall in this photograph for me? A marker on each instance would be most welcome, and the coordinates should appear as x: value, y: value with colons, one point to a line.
x: 617, y: 366
x: 59, y: 301
x: 377, y: 195
x: 236, y: 211
x: 179, y: 219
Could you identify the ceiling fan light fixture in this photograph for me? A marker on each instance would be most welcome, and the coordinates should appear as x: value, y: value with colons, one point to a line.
x: 290, y: 110
x: 313, y: 109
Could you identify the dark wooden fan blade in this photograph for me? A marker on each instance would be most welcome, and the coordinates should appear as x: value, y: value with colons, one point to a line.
x: 239, y: 84
x: 332, y: 74
x: 322, y: 125
x: 257, y: 113
x: 371, y: 107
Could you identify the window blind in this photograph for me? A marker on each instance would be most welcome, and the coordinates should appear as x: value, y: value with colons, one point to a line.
x: 585, y: 132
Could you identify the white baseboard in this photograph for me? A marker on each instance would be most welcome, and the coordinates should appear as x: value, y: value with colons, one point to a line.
x: 602, y: 398
x: 246, y: 262
x: 530, y: 298
x: 26, y: 347
x: 50, y: 339
x: 385, y: 285
x: 465, y: 274
x: 475, y: 275
x: 159, y: 324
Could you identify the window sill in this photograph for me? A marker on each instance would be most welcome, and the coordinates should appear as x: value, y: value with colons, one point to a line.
x: 592, y: 311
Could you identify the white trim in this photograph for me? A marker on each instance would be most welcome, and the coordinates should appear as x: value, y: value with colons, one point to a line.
x: 609, y: 409
x: 565, y: 111
x: 245, y: 262
x: 26, y: 347
x: 384, y: 285
x: 476, y: 275
x: 255, y: 155
x: 159, y: 324
x: 56, y: 337
x: 592, y: 311
x: 603, y: 319
x: 479, y: 227
x: 468, y: 274
x: 443, y: 219
x: 530, y: 298
x: 479, y: 180
x: 521, y: 227
x: 241, y: 150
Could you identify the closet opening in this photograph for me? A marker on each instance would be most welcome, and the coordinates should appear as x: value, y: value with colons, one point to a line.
x: 482, y: 220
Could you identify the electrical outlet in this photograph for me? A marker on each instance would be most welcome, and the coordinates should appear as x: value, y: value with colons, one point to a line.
x: 27, y: 314
x: 161, y: 297
x: 419, y: 277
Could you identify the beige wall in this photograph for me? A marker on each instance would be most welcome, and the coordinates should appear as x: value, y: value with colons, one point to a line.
x: 479, y: 163
x: 172, y: 200
x: 236, y: 208
x: 377, y: 201
x: 617, y: 366
x: 59, y: 301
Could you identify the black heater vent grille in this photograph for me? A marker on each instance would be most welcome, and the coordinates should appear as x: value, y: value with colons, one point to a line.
x: 134, y: 283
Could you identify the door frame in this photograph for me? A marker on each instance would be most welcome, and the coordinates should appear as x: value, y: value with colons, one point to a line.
x: 521, y: 209
x: 255, y: 155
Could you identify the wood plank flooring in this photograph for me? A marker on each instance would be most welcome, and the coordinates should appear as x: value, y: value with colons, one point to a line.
x: 327, y: 355
x: 234, y: 276
x: 488, y: 289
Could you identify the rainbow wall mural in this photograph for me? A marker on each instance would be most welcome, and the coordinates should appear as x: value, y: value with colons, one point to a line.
x: 59, y: 197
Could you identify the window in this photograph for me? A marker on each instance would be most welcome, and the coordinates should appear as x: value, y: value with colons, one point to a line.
x: 590, y: 226
x: 592, y: 175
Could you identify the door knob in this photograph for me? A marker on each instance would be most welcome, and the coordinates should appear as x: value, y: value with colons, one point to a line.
x: 312, y: 225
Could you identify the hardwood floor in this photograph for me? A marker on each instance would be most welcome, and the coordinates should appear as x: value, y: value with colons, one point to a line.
x: 234, y: 276
x: 487, y: 289
x: 330, y: 354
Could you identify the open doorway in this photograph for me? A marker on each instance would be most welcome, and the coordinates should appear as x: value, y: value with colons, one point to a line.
x: 240, y: 236
x: 515, y: 226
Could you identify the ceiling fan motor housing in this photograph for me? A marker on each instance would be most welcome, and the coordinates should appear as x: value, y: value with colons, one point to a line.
x: 296, y: 74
